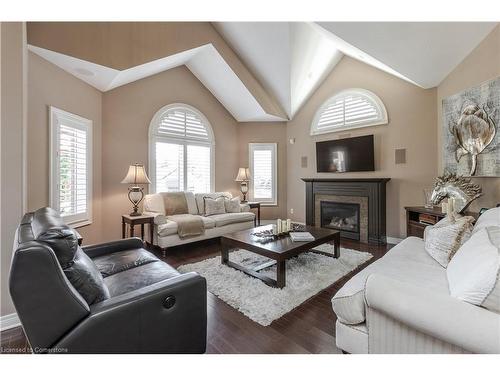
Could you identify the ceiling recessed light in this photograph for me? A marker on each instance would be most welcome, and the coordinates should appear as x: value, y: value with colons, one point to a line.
x: 84, y: 72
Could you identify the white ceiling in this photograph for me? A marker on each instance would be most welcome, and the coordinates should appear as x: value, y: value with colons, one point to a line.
x: 290, y: 59
x: 204, y: 62
x: 422, y: 52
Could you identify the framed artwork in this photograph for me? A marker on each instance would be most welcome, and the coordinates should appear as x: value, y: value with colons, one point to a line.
x: 471, y: 136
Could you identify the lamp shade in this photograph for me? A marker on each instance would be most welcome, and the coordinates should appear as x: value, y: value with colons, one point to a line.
x: 243, y: 175
x: 136, y: 175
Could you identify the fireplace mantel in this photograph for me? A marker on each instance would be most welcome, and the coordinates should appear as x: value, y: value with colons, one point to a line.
x: 372, y: 188
x: 345, y: 180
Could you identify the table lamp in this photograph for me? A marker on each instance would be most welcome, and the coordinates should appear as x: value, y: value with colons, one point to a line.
x: 136, y: 175
x: 243, y: 177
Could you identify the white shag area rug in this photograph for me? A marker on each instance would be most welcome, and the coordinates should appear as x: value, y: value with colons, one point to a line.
x: 306, y: 276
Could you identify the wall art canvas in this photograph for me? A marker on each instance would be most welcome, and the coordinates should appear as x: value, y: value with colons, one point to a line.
x: 471, y: 134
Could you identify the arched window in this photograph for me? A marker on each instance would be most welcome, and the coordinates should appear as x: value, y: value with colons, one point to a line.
x: 181, y: 150
x: 349, y: 109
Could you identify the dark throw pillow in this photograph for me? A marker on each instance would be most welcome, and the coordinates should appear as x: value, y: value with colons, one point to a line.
x: 86, y: 278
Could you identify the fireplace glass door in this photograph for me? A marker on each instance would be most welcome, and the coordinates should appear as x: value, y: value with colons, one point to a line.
x: 340, y: 216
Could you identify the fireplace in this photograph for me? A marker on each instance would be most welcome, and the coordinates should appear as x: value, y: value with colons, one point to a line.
x: 340, y: 215
x: 355, y: 206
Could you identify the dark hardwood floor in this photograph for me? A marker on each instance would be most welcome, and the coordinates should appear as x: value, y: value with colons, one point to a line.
x: 310, y: 328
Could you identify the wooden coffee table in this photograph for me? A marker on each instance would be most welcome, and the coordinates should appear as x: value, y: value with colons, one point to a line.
x: 278, y: 251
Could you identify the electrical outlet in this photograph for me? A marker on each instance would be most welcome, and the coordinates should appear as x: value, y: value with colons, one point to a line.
x: 291, y: 211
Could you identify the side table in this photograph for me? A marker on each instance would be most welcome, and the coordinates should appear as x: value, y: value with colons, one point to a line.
x: 256, y: 221
x: 138, y: 220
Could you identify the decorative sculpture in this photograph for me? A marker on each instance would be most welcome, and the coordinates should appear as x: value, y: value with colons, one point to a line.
x: 473, y: 132
x: 449, y: 185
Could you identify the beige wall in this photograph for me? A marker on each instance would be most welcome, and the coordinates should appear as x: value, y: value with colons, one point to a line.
x: 13, y: 121
x: 127, y: 113
x: 269, y: 132
x: 412, y: 124
x: 122, y: 45
x: 481, y: 65
x: 52, y: 86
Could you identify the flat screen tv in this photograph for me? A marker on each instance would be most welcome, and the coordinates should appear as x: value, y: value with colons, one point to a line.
x: 345, y: 155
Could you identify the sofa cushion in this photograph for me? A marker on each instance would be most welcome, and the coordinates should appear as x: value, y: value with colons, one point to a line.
x: 445, y: 238
x: 214, y: 206
x: 491, y: 218
x: 226, y: 219
x: 473, y: 272
x: 407, y: 262
x: 191, y: 202
x: 200, y: 202
x: 233, y: 205
x: 86, y: 278
x: 175, y: 203
x: 139, y: 277
x: 120, y: 261
x: 170, y: 227
x: 154, y: 203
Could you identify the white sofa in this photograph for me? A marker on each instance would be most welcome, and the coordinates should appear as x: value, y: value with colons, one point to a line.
x: 402, y: 304
x: 165, y: 230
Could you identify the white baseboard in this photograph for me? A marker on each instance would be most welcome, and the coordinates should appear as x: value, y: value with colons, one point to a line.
x: 9, y: 321
x: 394, y: 240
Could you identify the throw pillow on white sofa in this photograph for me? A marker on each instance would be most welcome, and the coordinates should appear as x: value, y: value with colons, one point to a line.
x: 473, y: 273
x: 490, y: 218
x: 444, y: 239
x: 214, y: 206
x: 233, y: 205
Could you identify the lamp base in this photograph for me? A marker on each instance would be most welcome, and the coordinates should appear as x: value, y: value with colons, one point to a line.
x: 135, y: 195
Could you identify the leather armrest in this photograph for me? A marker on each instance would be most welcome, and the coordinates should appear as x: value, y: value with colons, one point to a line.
x: 112, y: 247
x: 141, y: 322
x: 436, y: 314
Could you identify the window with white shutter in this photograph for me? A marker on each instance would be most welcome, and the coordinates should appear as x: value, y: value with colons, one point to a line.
x: 71, y: 166
x: 263, y: 172
x: 349, y: 109
x: 181, y: 145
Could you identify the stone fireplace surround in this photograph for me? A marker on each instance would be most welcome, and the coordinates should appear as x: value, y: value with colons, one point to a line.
x: 369, y: 193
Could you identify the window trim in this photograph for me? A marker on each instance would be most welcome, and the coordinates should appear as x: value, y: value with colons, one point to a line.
x: 155, y: 137
x: 383, y: 119
x: 274, y: 149
x: 55, y: 114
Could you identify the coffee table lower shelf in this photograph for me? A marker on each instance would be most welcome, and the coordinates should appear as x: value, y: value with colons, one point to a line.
x: 280, y: 282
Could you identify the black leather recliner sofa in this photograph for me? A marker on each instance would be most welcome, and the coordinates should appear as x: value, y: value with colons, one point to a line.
x: 114, y: 297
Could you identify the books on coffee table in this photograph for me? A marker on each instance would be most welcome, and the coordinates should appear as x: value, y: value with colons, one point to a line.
x: 301, y: 236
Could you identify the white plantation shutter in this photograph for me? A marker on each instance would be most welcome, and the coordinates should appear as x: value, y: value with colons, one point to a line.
x: 169, y: 167
x: 347, y: 110
x: 71, y: 166
x: 263, y: 172
x: 182, y: 123
x: 198, y: 169
x: 181, y: 150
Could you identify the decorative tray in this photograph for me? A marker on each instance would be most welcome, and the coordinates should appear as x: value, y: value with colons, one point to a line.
x: 268, y: 233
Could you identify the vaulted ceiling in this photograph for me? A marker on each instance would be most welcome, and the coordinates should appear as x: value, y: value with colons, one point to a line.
x: 259, y: 71
x: 290, y: 58
x: 422, y: 52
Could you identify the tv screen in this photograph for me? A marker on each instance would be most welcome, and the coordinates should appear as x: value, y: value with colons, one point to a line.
x: 345, y: 155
